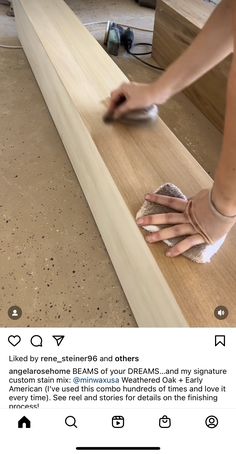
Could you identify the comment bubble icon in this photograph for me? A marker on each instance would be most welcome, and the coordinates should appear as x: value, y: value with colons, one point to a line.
x: 36, y: 341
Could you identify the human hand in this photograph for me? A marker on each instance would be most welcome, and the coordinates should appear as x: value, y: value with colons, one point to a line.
x: 134, y: 96
x: 196, y: 219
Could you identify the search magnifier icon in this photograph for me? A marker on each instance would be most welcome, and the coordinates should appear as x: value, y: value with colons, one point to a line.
x: 70, y: 421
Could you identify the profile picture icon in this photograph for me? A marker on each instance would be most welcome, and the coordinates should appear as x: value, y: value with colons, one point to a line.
x: 14, y: 312
x: 211, y: 422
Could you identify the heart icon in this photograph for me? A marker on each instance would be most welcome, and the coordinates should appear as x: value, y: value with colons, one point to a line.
x: 14, y: 340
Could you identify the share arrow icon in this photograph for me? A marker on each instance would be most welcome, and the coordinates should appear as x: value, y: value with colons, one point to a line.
x: 58, y: 339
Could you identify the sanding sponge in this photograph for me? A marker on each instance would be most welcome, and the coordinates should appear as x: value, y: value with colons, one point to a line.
x: 201, y: 253
x: 134, y: 116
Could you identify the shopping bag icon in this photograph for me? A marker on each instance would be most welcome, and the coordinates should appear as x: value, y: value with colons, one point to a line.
x: 164, y: 422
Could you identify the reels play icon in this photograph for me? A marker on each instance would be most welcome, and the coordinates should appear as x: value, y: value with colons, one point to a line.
x: 118, y: 422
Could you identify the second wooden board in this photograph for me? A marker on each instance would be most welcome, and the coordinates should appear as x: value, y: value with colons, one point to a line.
x: 176, y: 25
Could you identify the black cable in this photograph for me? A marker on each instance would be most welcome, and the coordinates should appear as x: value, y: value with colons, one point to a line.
x: 136, y: 55
x: 148, y: 64
x: 141, y: 53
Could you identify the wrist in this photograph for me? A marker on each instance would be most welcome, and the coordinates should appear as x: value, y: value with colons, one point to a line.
x: 222, y: 202
x: 160, y: 91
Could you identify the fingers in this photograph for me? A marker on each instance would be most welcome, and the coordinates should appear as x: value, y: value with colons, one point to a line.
x: 174, y: 203
x: 184, y: 245
x: 122, y: 109
x: 120, y: 91
x: 181, y: 227
x: 171, y: 232
x: 165, y: 218
x: 112, y: 105
x: 118, y: 96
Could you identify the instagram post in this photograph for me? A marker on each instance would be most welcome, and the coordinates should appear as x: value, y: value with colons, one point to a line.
x: 78, y: 188
x: 118, y: 205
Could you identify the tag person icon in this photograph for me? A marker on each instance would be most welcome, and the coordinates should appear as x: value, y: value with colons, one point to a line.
x: 14, y: 312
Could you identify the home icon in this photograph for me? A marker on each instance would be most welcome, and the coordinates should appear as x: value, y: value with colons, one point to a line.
x: 24, y: 423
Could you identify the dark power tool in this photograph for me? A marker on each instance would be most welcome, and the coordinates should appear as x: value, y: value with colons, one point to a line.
x: 117, y: 36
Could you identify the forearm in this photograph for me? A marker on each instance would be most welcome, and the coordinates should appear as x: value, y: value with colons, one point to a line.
x: 212, y: 45
x: 224, y: 189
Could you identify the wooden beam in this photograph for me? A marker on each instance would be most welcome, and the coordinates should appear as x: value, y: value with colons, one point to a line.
x: 116, y: 165
x: 177, y: 23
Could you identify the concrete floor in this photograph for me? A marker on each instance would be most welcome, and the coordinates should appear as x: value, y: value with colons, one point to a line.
x: 53, y: 263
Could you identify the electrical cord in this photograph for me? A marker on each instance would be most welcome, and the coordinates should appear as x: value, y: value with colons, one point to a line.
x: 133, y: 54
x: 136, y: 55
x: 141, y: 53
x: 3, y: 46
x: 158, y: 68
x: 122, y: 25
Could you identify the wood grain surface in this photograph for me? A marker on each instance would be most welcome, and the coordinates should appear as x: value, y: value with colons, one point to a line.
x: 116, y: 165
x: 176, y: 25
